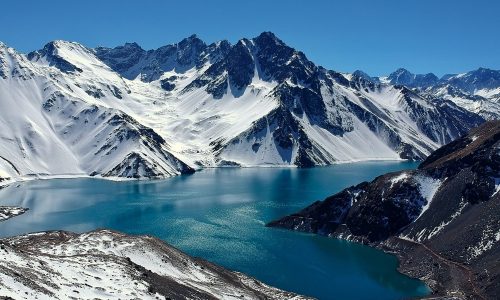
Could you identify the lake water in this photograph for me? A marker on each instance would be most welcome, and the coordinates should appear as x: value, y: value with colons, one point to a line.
x: 219, y: 214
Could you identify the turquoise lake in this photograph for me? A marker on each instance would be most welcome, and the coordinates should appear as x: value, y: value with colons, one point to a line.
x: 219, y: 215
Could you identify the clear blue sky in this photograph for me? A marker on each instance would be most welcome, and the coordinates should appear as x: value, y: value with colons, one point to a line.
x: 440, y: 36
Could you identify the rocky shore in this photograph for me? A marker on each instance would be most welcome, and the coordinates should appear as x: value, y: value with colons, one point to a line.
x: 441, y: 220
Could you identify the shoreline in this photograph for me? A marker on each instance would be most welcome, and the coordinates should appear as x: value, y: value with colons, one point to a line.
x: 6, y: 181
x: 440, y: 274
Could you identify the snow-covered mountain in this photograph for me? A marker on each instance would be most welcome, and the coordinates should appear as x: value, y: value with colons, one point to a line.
x: 130, y: 112
x: 55, y: 123
x: 477, y: 91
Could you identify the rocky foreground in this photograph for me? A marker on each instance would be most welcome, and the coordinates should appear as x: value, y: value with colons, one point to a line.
x: 104, y: 264
x: 441, y: 220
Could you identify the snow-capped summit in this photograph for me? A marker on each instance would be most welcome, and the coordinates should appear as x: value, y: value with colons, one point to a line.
x: 127, y: 111
x: 51, y: 55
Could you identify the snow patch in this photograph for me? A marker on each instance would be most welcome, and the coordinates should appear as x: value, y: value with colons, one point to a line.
x: 489, y: 238
x: 401, y: 177
x: 497, y: 186
x: 428, y: 187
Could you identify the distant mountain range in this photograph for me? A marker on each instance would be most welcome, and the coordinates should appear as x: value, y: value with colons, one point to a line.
x: 478, y: 91
x: 130, y: 112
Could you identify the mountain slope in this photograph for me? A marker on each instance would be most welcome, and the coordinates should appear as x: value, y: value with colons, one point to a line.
x: 111, y: 265
x: 448, y: 207
x: 56, y: 126
x: 131, y: 112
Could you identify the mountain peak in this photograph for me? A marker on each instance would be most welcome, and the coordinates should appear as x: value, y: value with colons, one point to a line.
x: 132, y: 45
x: 361, y: 74
x: 404, y: 77
x: 400, y: 72
x: 193, y: 37
x: 484, y: 71
x: 481, y: 69
x: 64, y: 44
x: 401, y: 76
x: 267, y: 37
x: 51, y: 53
x: 191, y: 40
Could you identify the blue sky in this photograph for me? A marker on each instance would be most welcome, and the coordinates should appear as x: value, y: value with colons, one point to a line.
x: 440, y: 36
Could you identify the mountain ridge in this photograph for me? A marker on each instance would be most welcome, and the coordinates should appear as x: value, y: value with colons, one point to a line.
x: 478, y: 90
x: 255, y: 102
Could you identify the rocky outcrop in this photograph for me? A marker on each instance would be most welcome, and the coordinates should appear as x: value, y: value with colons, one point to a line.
x: 441, y: 219
x: 7, y: 212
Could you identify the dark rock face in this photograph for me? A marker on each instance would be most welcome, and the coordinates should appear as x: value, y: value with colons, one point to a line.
x: 130, y: 60
x: 361, y: 80
x: 240, y: 65
x: 188, y: 50
x: 121, y: 58
x: 136, y: 165
x: 369, y: 212
x: 478, y: 151
x: 4, y: 70
x: 280, y: 62
x: 167, y: 83
x: 448, y: 207
x: 270, y: 56
x: 236, y: 69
